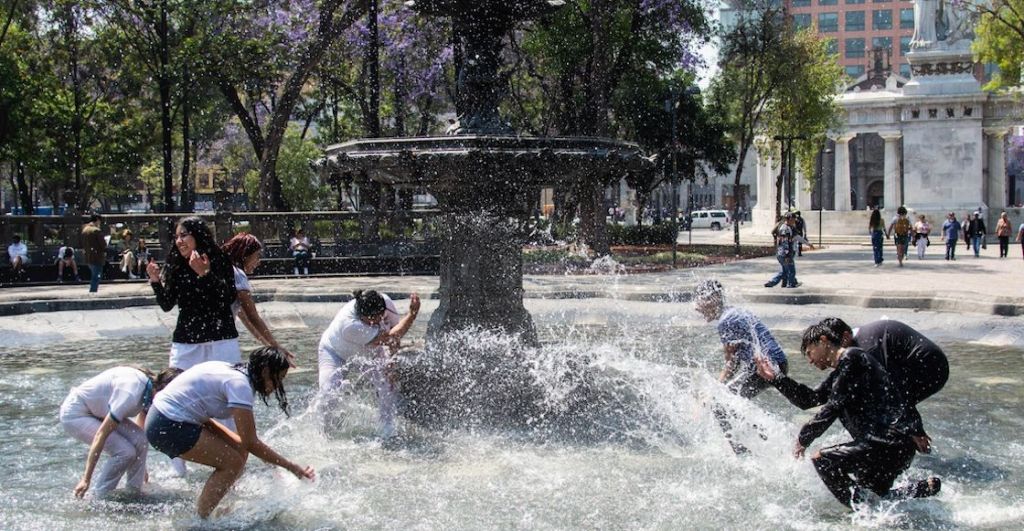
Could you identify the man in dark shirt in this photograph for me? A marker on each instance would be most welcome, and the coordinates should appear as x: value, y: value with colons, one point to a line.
x: 860, y: 394
x: 916, y: 365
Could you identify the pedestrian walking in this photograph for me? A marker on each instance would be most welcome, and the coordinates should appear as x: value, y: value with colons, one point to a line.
x: 1003, y: 230
x: 876, y: 228
x: 784, y: 252
x: 951, y: 233
x: 976, y: 231
x: 1020, y: 237
x: 899, y: 229
x: 965, y: 225
x: 95, y: 247
x: 921, y: 231
x: 800, y: 229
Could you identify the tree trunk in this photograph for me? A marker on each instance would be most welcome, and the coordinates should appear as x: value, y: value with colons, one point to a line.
x: 187, y: 198
x: 744, y: 148
x: 164, y: 84
x: 24, y: 194
x: 779, y: 180
x: 372, y: 62
x: 71, y: 38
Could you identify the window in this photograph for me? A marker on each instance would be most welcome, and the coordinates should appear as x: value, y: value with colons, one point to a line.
x: 904, y: 45
x: 802, y: 20
x: 880, y: 1
x: 884, y: 43
x: 881, y: 19
x: 855, y: 70
x: 854, y: 1
x: 854, y: 48
x: 801, y: 3
x: 907, y: 18
x: 827, y: 2
x: 828, y: 22
x: 905, y: 71
x: 854, y: 21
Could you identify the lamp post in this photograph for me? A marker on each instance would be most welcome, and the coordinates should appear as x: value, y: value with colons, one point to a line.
x: 787, y: 156
x: 821, y: 188
x: 671, y: 105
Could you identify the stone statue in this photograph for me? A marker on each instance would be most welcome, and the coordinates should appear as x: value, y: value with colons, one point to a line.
x: 924, y: 24
x: 956, y: 24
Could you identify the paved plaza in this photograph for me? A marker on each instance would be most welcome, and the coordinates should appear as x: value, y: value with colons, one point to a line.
x: 839, y: 275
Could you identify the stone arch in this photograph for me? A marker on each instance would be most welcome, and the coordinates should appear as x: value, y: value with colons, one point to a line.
x: 867, y: 165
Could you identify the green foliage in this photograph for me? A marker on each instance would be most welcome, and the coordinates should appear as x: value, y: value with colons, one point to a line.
x: 300, y: 184
x: 999, y: 39
x: 657, y: 234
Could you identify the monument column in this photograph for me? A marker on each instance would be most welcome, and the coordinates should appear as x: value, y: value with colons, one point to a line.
x: 842, y: 171
x: 996, y: 156
x: 803, y: 193
x: 765, y: 181
x: 893, y: 183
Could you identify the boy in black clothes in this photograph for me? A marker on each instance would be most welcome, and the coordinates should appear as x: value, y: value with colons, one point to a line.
x: 859, y: 392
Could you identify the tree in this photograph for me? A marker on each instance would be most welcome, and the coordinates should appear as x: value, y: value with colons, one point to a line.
x: 765, y: 69
x: 999, y: 39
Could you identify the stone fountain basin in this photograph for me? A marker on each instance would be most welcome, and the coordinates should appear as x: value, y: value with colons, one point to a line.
x: 463, y: 160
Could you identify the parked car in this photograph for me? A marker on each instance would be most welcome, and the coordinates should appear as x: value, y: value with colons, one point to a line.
x: 709, y: 219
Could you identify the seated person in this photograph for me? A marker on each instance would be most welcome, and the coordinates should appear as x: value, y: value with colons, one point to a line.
x: 744, y: 338
x: 17, y: 252
x: 299, y: 247
x: 65, y: 260
x: 860, y: 393
x: 129, y: 264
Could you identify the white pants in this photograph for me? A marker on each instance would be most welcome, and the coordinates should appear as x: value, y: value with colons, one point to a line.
x: 922, y: 244
x: 338, y: 378
x: 126, y: 448
x: 186, y: 355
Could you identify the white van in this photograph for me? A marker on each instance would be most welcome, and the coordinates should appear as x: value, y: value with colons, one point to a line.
x: 709, y: 219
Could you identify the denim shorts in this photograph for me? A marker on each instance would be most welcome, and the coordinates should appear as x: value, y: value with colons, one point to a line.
x: 170, y: 436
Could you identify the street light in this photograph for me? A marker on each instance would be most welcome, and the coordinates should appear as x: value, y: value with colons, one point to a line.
x: 787, y: 155
x: 821, y: 188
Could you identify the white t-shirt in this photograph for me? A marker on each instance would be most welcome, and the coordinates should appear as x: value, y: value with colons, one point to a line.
x: 63, y: 250
x: 206, y: 391
x: 17, y: 249
x: 241, y: 284
x: 347, y: 336
x: 121, y: 391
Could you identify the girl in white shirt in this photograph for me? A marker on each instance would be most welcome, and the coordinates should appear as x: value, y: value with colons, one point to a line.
x: 98, y: 413
x: 244, y: 251
x: 181, y: 423
x: 358, y: 344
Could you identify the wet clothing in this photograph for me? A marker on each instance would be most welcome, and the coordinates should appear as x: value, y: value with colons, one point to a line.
x: 204, y: 303
x: 917, y: 366
x: 859, y: 392
x: 874, y: 465
x: 207, y: 391
x: 171, y: 437
x: 750, y: 336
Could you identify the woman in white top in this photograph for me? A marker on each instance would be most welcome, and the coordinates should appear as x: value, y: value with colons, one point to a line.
x: 299, y: 246
x: 358, y: 344
x: 97, y: 412
x: 244, y: 250
x: 921, y: 230
x: 181, y: 422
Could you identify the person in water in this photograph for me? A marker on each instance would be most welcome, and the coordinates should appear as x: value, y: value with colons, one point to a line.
x: 861, y: 394
x: 917, y: 366
x: 744, y: 337
x: 99, y: 413
x: 181, y: 422
x: 358, y: 344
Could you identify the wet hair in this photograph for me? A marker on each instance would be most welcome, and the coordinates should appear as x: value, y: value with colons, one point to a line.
x: 240, y: 246
x: 876, y: 219
x: 165, y: 377
x: 902, y: 211
x: 276, y: 361
x: 707, y: 290
x: 95, y: 218
x: 369, y: 303
x: 814, y: 332
x: 837, y: 325
x: 205, y: 244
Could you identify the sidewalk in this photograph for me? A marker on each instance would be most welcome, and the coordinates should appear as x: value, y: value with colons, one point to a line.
x: 839, y: 275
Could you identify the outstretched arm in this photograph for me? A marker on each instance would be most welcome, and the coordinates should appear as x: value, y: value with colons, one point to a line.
x: 797, y: 393
x: 393, y: 337
x: 246, y: 425
x: 95, y: 449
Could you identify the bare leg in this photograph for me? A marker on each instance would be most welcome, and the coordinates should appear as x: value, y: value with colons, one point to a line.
x: 228, y: 463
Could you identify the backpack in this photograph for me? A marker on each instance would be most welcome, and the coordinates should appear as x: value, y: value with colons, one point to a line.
x: 902, y: 227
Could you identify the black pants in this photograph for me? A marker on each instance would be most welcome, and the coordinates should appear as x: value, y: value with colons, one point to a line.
x: 302, y: 259
x: 847, y: 468
x: 1004, y: 246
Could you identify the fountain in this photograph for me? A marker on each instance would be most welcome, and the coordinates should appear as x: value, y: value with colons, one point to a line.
x: 486, y: 179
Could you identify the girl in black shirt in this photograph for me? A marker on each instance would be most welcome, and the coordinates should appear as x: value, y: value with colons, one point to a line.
x: 198, y: 278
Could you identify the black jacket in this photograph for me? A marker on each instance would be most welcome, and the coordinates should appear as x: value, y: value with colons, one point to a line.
x: 204, y: 303
x: 859, y: 393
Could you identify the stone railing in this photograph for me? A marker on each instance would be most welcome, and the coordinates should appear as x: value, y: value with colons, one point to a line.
x: 332, y: 234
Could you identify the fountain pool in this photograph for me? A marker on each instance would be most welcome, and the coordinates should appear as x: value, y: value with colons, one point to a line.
x: 672, y: 470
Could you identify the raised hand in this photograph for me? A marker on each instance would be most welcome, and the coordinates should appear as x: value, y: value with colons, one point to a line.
x: 153, y: 270
x: 200, y: 263
x: 414, y: 303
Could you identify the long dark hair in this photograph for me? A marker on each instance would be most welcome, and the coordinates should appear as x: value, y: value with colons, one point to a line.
x: 876, y: 219
x: 205, y: 244
x: 276, y: 361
